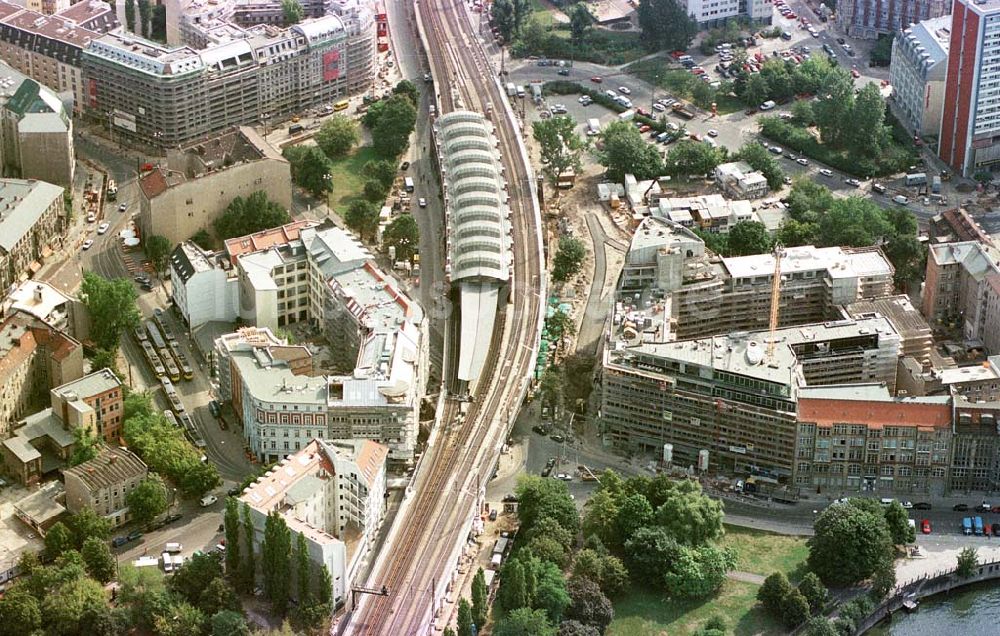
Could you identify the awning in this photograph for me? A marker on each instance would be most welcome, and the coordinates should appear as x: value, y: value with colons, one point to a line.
x: 34, y: 267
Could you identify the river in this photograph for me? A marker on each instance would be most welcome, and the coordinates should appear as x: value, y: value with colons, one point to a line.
x: 974, y: 610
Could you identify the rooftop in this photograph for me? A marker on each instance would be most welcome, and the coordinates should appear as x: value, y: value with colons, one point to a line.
x: 930, y: 38
x: 872, y: 405
x: 53, y: 27
x: 836, y: 262
x: 22, y: 203
x: 988, y: 370
x: 265, y: 239
x: 705, y: 207
x: 111, y: 467
x: 90, y: 385
x: 37, y: 298
x: 906, y: 318
x: 979, y: 259
x: 34, y: 428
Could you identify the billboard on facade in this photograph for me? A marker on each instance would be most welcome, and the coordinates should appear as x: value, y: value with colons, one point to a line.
x: 331, y: 66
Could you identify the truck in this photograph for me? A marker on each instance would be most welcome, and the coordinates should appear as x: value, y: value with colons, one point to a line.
x: 682, y: 111
x: 979, y: 526
x: 627, y: 115
x: 967, y: 525
x: 936, y: 185
x: 408, y: 184
x: 295, y: 129
x: 511, y: 89
x: 916, y: 178
x: 593, y: 126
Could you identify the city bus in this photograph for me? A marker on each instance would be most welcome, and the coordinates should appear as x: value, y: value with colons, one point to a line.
x: 341, y: 105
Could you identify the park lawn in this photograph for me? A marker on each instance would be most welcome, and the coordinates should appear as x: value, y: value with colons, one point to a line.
x: 642, y: 612
x: 764, y: 553
x: 542, y: 13
x: 348, y: 183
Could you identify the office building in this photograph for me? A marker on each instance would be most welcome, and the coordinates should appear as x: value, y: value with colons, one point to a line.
x: 739, y: 181
x: 333, y: 494
x: 226, y: 74
x: 32, y: 218
x: 103, y: 483
x: 917, y: 74
x: 857, y: 438
x: 734, y: 395
x: 198, y: 184
x: 871, y: 18
x: 36, y: 131
x: 962, y: 290
x: 970, y: 124
x: 34, y: 358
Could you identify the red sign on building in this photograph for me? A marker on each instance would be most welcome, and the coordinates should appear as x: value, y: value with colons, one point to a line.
x: 331, y: 66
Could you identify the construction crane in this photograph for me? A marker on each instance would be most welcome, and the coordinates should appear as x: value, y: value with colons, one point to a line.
x: 775, y: 300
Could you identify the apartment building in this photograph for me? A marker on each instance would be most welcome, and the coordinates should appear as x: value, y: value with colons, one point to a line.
x: 333, y: 494
x: 970, y: 125
x: 103, y: 484
x: 975, y: 460
x: 226, y: 75
x: 915, y: 337
x: 917, y: 74
x: 710, y: 13
x: 872, y: 18
x: 198, y: 184
x: 49, y: 305
x: 32, y: 218
x: 708, y: 212
x: 34, y: 358
x: 740, y: 181
x: 956, y: 225
x: 732, y: 395
x: 962, y: 290
x: 857, y: 438
x: 93, y: 402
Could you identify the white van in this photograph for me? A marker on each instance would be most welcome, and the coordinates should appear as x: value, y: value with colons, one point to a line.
x: 408, y: 183
x: 168, y: 563
x: 173, y: 548
x: 900, y: 199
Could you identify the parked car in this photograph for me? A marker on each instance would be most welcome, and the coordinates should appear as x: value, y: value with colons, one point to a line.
x: 91, y: 218
x: 906, y: 504
x: 405, y: 165
x: 921, y: 505
x: 825, y: 172
x: 996, y: 529
x: 768, y: 105
x: 925, y: 526
x: 776, y: 150
x: 87, y: 244
x: 712, y: 133
x: 852, y: 182
x: 659, y: 107
x: 802, y: 161
x: 493, y: 514
x: 564, y: 71
x: 135, y: 535
x: 234, y: 491
x: 118, y: 542
x: 122, y: 207
x: 422, y: 202
x: 208, y: 500
x: 558, y: 439
x: 103, y: 227
x: 960, y: 507
x: 624, y: 90
x: 595, y: 79
x: 541, y: 430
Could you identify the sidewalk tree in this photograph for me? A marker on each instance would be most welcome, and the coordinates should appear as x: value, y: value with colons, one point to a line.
x: 157, y: 250
x: 403, y: 234
x: 464, y: 619
x: 749, y: 237
x: 98, y: 560
x: 86, y: 524
x: 756, y: 91
x: 883, y: 581
x: 539, y: 497
x: 276, y: 561
x: 568, y: 259
x: 560, y: 145
x: 310, y: 169
x: 362, y: 217
x: 248, y: 215
x: 231, y: 522
x: 407, y: 89
x: 480, y: 599
x: 112, y: 305
x: 550, y: 391
x: 626, y: 152
x: 968, y: 561
x: 58, y: 540
x: 898, y: 521
x: 849, y: 545
x: 292, y: 12
x: 666, y: 25
x: 337, y: 135
x: 248, y: 572
x: 147, y: 500
x: 396, y: 121
x: 504, y: 19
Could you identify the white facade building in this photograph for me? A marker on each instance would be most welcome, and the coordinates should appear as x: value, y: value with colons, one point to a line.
x: 917, y: 74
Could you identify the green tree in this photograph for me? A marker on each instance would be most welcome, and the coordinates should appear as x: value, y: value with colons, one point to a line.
x: 814, y: 591
x: 666, y: 25
x: 339, y: 133
x: 375, y: 192
x: 549, y: 528
x: 802, y: 113
x: 310, y: 169
x: 714, y: 626
x: 634, y: 512
x: 324, y: 588
x: 560, y: 145
x: 276, y: 561
x: 202, y: 239
x: 568, y: 259
x: 883, y: 581
x: 808, y: 200
x: 85, y: 447
x: 362, y: 217
x: 579, y: 24
x: 576, y: 628
x: 550, y: 393
x: 409, y: 90
x: 820, y: 626
x: 448, y: 632
x: 130, y: 15
x: 699, y: 572
x: 249, y: 215
x: 626, y: 152
x: 547, y: 549
x: 391, y: 135
x: 103, y: 359
x: 834, y: 109
x: 649, y: 554
x: 756, y: 90
x: 158, y: 23
x: 480, y: 599
x: 65, y: 605
x: 524, y: 622
x: 600, y: 518
x: 761, y: 160
x: 867, y: 133
x: 539, y: 497
x: 229, y: 623
x: 775, y: 73
x: 157, y: 250
x: 513, y: 593
x: 775, y: 588
x: 898, y: 521
x: 503, y: 18
x: 559, y: 325
x: 380, y: 170
x: 794, y: 233
x: 464, y: 617
x: 194, y: 577
x: 86, y: 524
x: 794, y: 609
x: 182, y: 619
x: 302, y: 567
x: 849, y: 545
x: 249, y: 573
x: 550, y: 588
x: 19, y: 612
x: 292, y: 11
x: 688, y: 157
x: 589, y: 605
x: 218, y: 596
x: 147, y: 500
x: 690, y: 516
x: 231, y: 521
x: 403, y: 234
x: 749, y: 237
x: 98, y: 559
x: 111, y: 304
x: 968, y: 561
x: 881, y: 54
x: 144, y: 14
x: 579, y: 374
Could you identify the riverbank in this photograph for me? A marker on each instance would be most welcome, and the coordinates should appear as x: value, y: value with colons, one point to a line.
x: 972, y: 610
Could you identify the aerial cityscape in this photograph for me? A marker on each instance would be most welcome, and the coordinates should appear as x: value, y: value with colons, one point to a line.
x: 511, y: 317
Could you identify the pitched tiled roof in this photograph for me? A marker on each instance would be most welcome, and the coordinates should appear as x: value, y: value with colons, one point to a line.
x: 153, y: 184
x: 111, y: 466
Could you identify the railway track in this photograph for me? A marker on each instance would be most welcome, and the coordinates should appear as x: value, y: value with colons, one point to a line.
x: 466, y: 450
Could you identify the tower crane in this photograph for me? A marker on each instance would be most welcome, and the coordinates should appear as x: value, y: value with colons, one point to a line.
x: 778, y: 253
